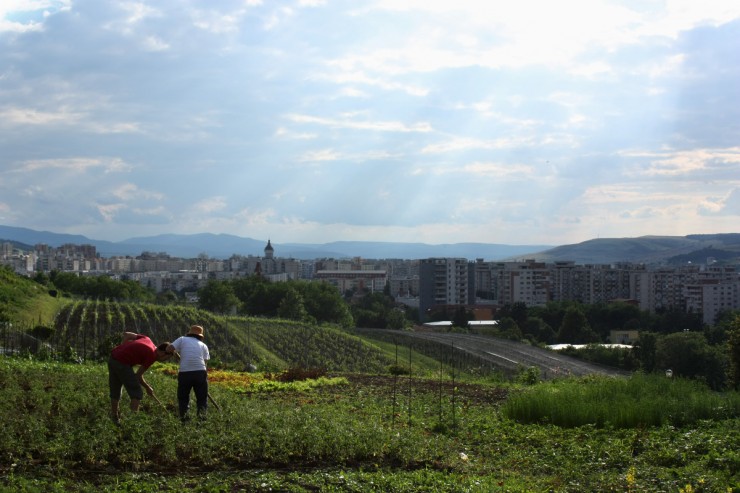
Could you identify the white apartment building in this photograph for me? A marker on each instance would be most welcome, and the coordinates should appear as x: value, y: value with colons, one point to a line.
x: 710, y: 297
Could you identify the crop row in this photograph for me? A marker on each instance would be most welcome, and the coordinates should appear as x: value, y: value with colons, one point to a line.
x: 88, y: 329
x: 310, y: 346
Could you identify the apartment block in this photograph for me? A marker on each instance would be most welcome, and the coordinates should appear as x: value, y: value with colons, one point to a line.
x: 346, y: 280
x: 445, y: 281
x: 709, y: 288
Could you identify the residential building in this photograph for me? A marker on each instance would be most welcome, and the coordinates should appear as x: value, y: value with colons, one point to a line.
x: 373, y: 281
x: 444, y: 281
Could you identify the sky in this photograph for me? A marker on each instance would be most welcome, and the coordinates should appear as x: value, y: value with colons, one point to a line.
x: 527, y: 122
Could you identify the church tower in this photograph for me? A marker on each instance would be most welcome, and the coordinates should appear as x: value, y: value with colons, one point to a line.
x: 269, y: 250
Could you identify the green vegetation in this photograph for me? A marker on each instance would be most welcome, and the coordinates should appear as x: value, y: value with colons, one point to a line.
x: 336, y: 410
x: 303, y: 301
x: 92, y: 327
x: 99, y: 287
x: 638, y: 402
x: 371, y: 433
x: 25, y: 302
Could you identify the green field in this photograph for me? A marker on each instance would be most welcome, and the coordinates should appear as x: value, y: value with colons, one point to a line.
x: 380, y: 417
x: 362, y: 433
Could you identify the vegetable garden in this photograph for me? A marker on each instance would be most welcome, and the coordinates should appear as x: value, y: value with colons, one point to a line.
x: 357, y: 432
x: 332, y: 410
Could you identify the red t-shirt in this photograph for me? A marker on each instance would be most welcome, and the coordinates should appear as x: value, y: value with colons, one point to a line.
x: 140, y: 351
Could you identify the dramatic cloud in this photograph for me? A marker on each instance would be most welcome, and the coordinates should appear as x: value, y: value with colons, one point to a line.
x: 422, y: 120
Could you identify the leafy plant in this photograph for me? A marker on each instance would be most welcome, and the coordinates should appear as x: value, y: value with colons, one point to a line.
x: 640, y: 401
x: 354, y: 436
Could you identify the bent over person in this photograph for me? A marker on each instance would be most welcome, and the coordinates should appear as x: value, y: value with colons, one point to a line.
x: 193, y: 374
x: 134, y: 350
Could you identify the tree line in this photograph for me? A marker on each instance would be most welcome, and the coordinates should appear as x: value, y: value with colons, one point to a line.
x: 305, y: 301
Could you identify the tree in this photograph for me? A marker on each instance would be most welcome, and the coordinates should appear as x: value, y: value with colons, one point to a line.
x: 733, y: 341
x: 645, y: 349
x: 166, y: 297
x: 689, y: 355
x: 42, y: 332
x: 461, y: 317
x: 676, y: 320
x: 396, y: 319
x: 509, y: 329
x: 291, y: 307
x: 372, y: 310
x: 265, y: 299
x: 605, y: 317
x: 217, y: 297
x: 324, y: 303
x: 575, y: 328
x: 516, y: 311
x: 537, y: 329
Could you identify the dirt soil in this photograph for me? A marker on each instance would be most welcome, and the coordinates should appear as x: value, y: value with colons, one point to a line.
x: 385, y: 384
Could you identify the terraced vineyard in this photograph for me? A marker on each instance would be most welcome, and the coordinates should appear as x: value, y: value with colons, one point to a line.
x: 89, y: 329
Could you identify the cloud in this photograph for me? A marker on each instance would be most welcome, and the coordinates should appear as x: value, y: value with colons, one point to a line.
x: 500, y: 170
x: 13, y: 118
x: 153, y: 43
x: 332, y: 155
x: 346, y: 73
x: 110, y: 211
x: 134, y: 14
x: 28, y: 116
x: 209, y: 205
x: 377, y: 126
x: 22, y: 16
x: 285, y: 133
x: 129, y: 192
x: 728, y: 205
x: 321, y: 155
x: 423, y: 116
x: 459, y: 144
x: 78, y: 165
x: 682, y: 163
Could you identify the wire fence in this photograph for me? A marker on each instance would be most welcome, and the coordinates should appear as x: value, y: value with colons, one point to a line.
x: 16, y: 339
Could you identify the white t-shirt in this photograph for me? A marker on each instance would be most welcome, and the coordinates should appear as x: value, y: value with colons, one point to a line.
x: 193, y: 353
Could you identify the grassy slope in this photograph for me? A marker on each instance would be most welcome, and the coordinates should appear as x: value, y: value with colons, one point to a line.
x: 25, y: 302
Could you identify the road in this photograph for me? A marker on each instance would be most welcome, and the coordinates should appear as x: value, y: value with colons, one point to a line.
x: 512, y: 356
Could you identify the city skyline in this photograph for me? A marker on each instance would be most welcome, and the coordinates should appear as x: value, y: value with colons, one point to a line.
x: 312, y: 121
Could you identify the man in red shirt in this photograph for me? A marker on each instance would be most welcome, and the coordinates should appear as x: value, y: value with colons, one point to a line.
x: 134, y: 350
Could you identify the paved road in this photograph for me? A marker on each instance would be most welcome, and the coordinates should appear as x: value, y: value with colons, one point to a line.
x: 511, y: 356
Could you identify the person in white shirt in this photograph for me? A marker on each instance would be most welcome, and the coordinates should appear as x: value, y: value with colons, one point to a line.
x: 193, y: 373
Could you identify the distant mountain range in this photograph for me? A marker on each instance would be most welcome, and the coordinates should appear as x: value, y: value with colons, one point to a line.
x: 645, y: 249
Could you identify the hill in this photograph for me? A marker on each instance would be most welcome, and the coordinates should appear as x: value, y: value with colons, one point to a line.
x: 24, y: 301
x: 671, y: 250
x: 224, y: 246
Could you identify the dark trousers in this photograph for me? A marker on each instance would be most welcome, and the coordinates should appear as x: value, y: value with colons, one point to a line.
x: 192, y: 380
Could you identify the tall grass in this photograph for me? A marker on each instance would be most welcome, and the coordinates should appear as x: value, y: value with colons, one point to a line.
x: 640, y: 401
